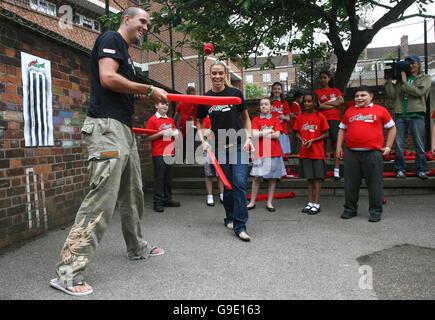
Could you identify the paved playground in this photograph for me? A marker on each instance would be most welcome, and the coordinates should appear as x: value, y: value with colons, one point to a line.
x: 291, y: 255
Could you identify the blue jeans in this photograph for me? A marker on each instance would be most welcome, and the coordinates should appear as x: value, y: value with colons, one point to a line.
x: 236, y: 170
x: 417, y: 128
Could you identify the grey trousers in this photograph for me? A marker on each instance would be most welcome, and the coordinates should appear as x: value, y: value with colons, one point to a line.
x: 115, y: 184
x: 368, y: 165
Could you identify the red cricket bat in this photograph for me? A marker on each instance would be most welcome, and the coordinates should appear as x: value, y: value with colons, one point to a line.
x: 190, y: 98
x: 144, y: 131
x: 219, y: 170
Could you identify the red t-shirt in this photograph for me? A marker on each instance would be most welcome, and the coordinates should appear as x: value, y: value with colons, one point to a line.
x: 329, y: 94
x: 206, y: 123
x: 164, y: 146
x: 433, y: 115
x: 294, y: 108
x: 311, y: 126
x: 187, y: 112
x: 365, y: 127
x: 281, y: 108
x: 265, y: 147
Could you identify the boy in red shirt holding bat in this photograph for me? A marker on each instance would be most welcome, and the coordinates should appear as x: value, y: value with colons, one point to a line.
x: 162, y: 150
x: 362, y: 128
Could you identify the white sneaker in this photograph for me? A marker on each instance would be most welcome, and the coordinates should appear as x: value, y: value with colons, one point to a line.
x: 210, y: 201
x: 221, y: 197
x: 230, y: 226
x: 244, y: 236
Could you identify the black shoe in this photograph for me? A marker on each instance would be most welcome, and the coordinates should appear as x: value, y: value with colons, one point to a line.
x: 158, y: 208
x: 270, y: 209
x: 306, y: 209
x: 172, y: 204
x: 313, y: 210
x: 374, y: 219
x: 250, y: 208
x: 348, y: 215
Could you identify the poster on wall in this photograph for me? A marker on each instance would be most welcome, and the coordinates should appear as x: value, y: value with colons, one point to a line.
x: 37, y: 101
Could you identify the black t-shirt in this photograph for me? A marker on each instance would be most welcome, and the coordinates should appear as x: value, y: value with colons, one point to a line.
x: 224, y: 116
x: 106, y: 103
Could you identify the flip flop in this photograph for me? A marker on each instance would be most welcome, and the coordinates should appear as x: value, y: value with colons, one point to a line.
x: 55, y: 283
x: 154, y: 252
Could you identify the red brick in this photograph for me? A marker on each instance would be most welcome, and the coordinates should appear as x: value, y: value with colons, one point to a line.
x: 15, y: 172
x: 14, y: 153
x: 42, y: 169
x: 40, y: 152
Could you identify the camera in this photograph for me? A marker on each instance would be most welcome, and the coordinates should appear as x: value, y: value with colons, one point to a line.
x: 395, y: 68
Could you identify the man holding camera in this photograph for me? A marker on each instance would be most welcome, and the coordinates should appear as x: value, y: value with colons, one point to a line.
x: 410, y: 92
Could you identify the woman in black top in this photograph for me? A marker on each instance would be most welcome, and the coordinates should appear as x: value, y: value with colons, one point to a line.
x: 230, y: 125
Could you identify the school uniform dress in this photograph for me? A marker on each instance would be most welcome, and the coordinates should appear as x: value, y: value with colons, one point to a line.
x: 312, y: 160
x: 282, y: 108
x: 160, y: 149
x: 268, y: 162
x: 364, y: 138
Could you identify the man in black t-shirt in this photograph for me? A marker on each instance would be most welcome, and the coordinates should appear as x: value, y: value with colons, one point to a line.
x: 114, y: 163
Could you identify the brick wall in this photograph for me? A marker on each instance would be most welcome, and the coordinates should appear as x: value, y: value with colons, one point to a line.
x: 59, y: 179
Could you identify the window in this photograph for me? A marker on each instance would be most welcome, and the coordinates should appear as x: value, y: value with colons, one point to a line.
x: 267, y: 77
x: 283, y: 76
x: 249, y: 78
x: 43, y: 7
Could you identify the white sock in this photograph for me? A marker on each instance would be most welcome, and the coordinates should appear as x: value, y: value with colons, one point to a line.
x: 336, y: 172
x: 310, y: 204
x: 221, y: 196
x: 316, y: 205
x: 210, y: 198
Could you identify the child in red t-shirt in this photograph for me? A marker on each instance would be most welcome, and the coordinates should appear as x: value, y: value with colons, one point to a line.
x: 281, y: 110
x: 362, y: 128
x: 162, y: 151
x: 209, y: 171
x: 268, y: 163
x: 330, y: 100
x: 185, y: 115
x: 311, y: 127
x: 295, y: 111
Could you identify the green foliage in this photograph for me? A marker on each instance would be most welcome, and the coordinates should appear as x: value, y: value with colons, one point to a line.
x: 243, y: 28
x: 253, y: 91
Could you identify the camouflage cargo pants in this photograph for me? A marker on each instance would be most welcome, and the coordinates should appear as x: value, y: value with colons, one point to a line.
x: 115, y: 184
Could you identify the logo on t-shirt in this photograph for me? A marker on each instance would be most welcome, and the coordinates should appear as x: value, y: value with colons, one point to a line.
x: 111, y: 51
x: 277, y: 109
x: 365, y: 118
x: 266, y: 127
x: 165, y: 126
x: 219, y: 109
x: 309, y: 127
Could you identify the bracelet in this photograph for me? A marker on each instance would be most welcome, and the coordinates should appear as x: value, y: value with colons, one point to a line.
x: 150, y: 90
x: 388, y: 148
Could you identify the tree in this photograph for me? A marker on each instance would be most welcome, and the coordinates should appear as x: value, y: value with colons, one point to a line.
x: 244, y: 28
x: 253, y: 91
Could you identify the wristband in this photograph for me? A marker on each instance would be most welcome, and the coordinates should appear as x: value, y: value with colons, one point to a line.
x: 388, y: 148
x: 150, y: 90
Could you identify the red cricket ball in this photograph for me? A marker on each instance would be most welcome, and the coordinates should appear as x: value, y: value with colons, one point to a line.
x: 208, y: 48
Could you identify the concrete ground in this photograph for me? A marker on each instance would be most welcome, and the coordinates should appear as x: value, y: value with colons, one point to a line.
x: 291, y: 255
